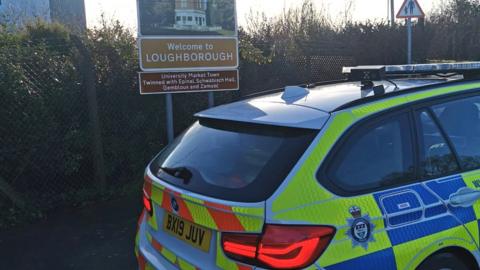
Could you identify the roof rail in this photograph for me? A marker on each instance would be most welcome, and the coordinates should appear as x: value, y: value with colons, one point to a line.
x: 373, y: 98
x: 469, y: 70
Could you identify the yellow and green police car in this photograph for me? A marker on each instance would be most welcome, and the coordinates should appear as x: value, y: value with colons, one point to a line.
x: 378, y: 171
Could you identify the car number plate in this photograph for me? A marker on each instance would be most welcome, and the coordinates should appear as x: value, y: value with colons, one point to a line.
x: 188, y: 232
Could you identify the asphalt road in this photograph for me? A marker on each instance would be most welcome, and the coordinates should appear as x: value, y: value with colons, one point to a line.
x: 96, y: 237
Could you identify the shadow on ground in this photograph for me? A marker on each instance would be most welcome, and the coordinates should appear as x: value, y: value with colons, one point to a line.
x: 97, y: 237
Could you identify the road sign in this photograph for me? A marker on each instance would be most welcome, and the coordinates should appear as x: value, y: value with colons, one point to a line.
x: 410, y: 9
x: 180, y: 54
x: 193, y: 43
x: 187, y: 35
x: 185, y: 82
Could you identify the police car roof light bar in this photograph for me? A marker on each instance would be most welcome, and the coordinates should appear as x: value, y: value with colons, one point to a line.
x: 365, y: 73
x: 362, y: 73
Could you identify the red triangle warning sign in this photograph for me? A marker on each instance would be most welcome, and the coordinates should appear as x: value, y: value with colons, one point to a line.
x: 410, y: 9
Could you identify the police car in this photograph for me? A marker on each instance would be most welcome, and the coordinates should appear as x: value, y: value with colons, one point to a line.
x: 378, y: 171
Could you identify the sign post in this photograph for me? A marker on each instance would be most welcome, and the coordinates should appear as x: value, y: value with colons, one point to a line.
x: 169, y: 110
x: 409, y: 40
x: 187, y: 46
x: 410, y: 9
x: 211, y: 100
x: 392, y: 12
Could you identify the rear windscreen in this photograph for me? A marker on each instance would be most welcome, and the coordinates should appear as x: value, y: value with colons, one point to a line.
x: 231, y: 160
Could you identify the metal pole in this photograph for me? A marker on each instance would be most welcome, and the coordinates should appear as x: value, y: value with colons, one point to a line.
x: 169, y: 108
x: 409, y: 40
x: 392, y: 12
x: 211, y: 100
x: 87, y: 69
x: 388, y: 11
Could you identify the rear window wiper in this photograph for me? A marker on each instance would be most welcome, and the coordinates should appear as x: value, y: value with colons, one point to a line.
x: 181, y: 172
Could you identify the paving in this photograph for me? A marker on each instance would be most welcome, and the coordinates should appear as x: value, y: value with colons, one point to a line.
x: 98, y: 236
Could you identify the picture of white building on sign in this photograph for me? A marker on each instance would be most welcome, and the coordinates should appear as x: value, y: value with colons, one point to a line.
x: 187, y: 17
x: 192, y: 15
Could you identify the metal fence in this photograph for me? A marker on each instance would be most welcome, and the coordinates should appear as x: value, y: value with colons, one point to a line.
x: 45, y: 129
x: 292, y: 71
x: 53, y: 131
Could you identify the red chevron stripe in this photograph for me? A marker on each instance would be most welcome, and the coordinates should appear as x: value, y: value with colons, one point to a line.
x: 147, y: 186
x: 183, y: 211
x: 225, y: 219
x: 219, y: 206
x: 156, y: 245
x: 243, y: 267
x: 141, y: 261
x: 166, y: 201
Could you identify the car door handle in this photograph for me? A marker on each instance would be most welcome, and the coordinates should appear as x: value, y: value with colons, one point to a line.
x: 464, y: 197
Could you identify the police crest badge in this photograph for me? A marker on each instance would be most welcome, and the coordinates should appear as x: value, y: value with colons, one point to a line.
x: 361, y: 228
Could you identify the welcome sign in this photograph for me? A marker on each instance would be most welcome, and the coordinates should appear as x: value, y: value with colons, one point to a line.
x: 188, y: 53
x: 187, y: 35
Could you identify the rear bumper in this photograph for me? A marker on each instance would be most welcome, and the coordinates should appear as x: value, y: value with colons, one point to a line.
x: 153, y: 255
x: 147, y: 257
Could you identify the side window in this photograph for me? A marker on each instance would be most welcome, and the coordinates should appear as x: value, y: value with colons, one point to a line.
x: 436, y: 157
x: 375, y: 155
x: 461, y: 121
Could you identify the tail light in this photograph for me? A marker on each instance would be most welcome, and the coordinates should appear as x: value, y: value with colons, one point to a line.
x: 147, y: 203
x: 280, y: 246
x: 147, y: 195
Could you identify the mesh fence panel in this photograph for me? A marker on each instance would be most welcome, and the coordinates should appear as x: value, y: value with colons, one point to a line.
x: 46, y: 132
x: 42, y: 115
x: 292, y: 70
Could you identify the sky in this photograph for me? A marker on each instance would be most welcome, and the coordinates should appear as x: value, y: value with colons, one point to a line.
x: 125, y: 10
